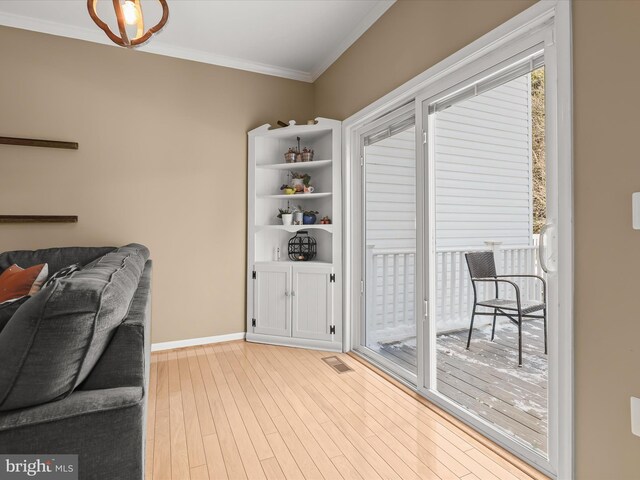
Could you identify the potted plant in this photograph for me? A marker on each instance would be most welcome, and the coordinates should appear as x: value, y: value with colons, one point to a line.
x: 290, y: 156
x: 308, y: 216
x: 288, y: 189
x: 300, y: 180
x: 286, y: 215
x: 307, y: 154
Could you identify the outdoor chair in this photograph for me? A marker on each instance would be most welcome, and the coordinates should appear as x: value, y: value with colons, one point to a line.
x: 482, y: 268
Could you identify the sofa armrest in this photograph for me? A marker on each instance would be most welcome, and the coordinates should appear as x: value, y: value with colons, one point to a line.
x: 75, y: 405
x: 125, y: 362
x: 105, y: 428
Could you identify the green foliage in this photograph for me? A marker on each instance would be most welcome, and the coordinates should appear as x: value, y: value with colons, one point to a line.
x: 284, y: 211
x: 305, y: 177
x: 306, y: 212
x: 538, y: 150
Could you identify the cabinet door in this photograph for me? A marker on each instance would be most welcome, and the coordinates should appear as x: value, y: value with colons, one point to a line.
x: 312, y: 302
x: 272, y: 307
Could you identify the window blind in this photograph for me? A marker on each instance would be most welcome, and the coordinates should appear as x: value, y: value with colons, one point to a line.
x: 516, y: 70
x: 390, y: 130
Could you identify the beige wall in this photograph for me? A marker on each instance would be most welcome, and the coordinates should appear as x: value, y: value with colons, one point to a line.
x: 409, y: 38
x: 412, y: 36
x: 162, y: 161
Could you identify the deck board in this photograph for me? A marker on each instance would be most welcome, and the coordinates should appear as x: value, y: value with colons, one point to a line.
x: 486, y: 379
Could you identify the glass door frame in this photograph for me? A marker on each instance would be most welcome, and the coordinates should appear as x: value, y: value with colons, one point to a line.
x: 358, y: 331
x: 549, y: 23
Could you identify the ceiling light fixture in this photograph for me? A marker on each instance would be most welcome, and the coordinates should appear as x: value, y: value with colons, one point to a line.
x: 129, y: 12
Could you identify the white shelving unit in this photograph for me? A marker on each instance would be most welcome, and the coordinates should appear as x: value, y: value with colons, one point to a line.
x: 295, y: 303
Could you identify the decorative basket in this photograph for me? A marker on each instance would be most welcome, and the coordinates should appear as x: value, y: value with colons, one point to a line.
x: 307, y: 156
x: 302, y: 247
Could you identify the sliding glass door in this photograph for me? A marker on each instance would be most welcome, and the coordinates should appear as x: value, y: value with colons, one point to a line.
x: 457, y: 248
x: 388, y: 164
x: 489, y: 217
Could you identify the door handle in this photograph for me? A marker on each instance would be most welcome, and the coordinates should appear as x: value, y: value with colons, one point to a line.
x: 286, y: 294
x: 293, y: 294
x: 542, y: 249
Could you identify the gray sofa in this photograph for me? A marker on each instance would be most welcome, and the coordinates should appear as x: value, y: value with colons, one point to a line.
x: 74, y: 361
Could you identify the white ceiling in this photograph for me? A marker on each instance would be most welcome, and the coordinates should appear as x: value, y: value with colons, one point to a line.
x: 295, y: 39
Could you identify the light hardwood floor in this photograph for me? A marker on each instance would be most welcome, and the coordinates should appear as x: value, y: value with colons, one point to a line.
x: 246, y: 411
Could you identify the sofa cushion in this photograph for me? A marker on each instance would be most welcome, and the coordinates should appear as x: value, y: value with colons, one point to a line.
x: 53, y: 341
x: 17, y: 282
x: 7, y: 310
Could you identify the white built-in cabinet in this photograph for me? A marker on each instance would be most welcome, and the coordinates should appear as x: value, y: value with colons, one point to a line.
x: 291, y: 302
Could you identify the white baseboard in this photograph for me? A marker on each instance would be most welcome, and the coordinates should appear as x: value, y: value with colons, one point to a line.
x: 190, y: 342
x: 323, y: 345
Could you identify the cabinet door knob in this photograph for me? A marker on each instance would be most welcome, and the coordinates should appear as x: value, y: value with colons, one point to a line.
x: 293, y: 294
x: 286, y: 294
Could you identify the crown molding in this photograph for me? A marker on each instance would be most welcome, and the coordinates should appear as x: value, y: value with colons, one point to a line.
x: 156, y: 47
x: 223, y: 61
x: 374, y: 14
x: 52, y: 28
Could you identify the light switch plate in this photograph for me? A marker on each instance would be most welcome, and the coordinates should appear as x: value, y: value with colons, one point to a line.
x: 635, y: 208
x: 635, y: 416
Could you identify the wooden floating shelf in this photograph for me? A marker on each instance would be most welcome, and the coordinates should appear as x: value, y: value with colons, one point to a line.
x: 296, y: 166
x: 32, y: 142
x: 38, y: 219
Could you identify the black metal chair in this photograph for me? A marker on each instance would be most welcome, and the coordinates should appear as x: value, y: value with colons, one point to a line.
x: 482, y: 268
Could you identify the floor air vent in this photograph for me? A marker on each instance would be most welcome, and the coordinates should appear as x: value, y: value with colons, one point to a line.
x: 337, y: 364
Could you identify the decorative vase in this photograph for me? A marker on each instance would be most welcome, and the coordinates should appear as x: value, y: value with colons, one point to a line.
x: 297, y: 218
x: 309, y: 219
x: 298, y: 184
x: 287, y: 218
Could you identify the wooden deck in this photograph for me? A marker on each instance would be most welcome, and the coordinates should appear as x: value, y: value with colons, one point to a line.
x: 486, y: 378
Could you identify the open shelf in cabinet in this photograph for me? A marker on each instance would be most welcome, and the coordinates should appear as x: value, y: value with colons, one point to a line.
x: 271, y: 244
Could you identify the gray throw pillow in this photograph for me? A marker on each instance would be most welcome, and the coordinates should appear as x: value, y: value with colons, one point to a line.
x: 60, y: 274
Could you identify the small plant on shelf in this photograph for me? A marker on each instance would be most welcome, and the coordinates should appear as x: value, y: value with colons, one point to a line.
x: 286, y: 214
x: 300, y: 181
x: 288, y: 189
x: 325, y: 220
x: 307, y: 154
x: 308, y: 216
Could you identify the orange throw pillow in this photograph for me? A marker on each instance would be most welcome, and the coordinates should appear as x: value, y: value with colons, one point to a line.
x: 16, y: 282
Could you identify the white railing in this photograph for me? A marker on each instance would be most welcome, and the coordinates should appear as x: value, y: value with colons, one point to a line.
x: 391, y: 287
x: 390, y: 293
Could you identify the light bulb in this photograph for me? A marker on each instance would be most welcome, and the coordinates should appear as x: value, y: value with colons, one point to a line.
x: 130, y: 12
